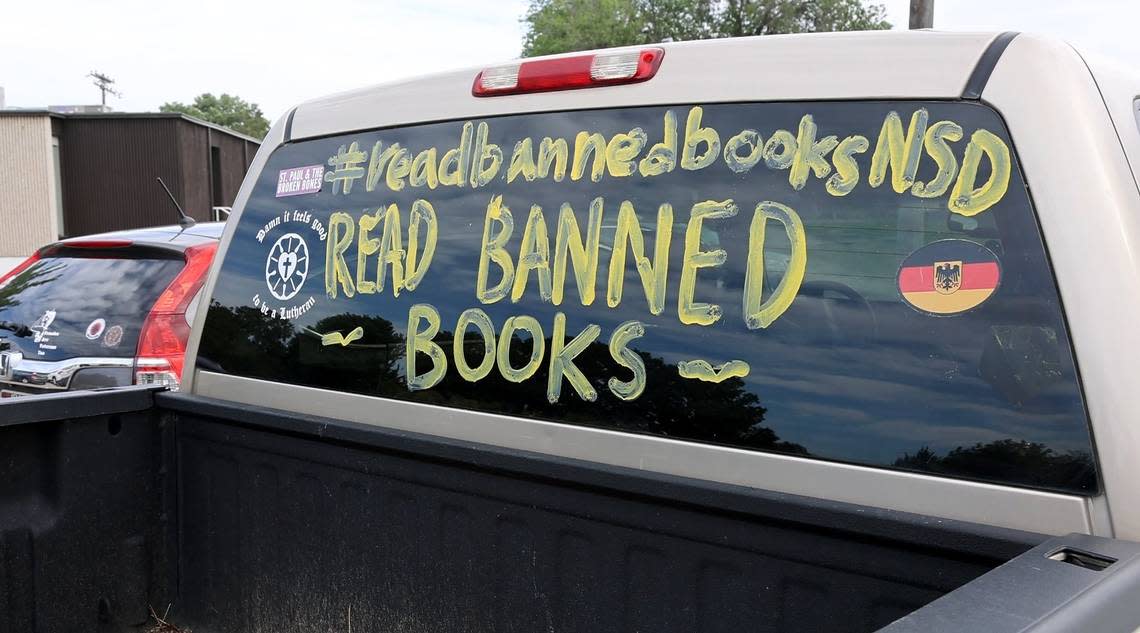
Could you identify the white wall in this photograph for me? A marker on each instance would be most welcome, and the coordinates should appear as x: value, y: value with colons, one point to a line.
x: 27, y: 189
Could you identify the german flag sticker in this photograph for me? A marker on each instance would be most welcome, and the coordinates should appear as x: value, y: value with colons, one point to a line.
x: 949, y: 277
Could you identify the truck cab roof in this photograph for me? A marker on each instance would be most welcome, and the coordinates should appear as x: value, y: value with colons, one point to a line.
x: 869, y: 65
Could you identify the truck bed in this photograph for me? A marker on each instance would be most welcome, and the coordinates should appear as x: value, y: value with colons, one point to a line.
x: 249, y: 520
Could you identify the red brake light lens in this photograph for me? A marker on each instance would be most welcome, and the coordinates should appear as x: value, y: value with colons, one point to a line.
x: 95, y: 244
x: 162, y: 343
x: 568, y: 73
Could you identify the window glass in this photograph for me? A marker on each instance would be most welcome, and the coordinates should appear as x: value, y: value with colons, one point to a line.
x: 68, y: 307
x: 860, y: 282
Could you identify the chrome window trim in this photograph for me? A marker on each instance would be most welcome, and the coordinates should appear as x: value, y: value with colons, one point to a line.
x: 989, y: 504
x: 16, y: 370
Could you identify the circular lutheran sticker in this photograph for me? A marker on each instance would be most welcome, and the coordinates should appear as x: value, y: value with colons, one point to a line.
x: 113, y: 337
x: 95, y: 329
x: 949, y: 277
x: 287, y: 266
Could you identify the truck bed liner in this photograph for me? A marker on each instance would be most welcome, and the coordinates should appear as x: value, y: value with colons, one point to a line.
x: 251, y: 520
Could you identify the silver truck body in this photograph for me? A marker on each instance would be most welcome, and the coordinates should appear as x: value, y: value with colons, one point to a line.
x: 1077, y: 138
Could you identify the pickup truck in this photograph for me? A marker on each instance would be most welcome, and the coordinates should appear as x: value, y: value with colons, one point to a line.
x: 806, y: 333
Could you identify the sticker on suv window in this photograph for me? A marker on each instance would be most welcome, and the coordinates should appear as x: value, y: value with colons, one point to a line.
x: 42, y: 334
x: 949, y: 277
x: 113, y: 337
x: 95, y: 329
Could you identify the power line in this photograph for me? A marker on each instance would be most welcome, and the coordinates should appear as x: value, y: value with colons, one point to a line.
x: 104, y: 83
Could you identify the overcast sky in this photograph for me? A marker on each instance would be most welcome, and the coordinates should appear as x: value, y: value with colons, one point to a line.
x: 277, y: 53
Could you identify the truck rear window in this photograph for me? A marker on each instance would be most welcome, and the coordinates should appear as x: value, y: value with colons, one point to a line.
x: 858, y: 282
x: 69, y: 307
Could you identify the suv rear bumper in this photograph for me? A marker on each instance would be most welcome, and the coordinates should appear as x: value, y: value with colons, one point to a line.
x: 35, y: 376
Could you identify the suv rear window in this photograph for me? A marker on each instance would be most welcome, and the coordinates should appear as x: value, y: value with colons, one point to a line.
x: 859, y: 282
x: 68, y: 307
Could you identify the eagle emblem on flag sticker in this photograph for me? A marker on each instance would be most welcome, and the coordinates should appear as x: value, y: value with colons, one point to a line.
x: 949, y: 277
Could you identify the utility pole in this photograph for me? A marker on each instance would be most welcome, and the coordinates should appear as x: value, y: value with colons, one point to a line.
x: 921, y: 14
x: 104, y: 83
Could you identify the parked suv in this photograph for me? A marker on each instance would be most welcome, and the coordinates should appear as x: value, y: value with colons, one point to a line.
x: 103, y: 310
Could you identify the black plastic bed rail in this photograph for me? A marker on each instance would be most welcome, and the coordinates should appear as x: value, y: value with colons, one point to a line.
x: 1064, y: 585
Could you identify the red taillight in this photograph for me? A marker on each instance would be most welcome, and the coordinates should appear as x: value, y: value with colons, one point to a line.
x: 567, y: 73
x: 162, y: 343
x: 21, y: 267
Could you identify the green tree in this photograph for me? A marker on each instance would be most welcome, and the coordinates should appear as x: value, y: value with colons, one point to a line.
x: 1008, y: 460
x: 675, y: 20
x: 37, y: 274
x: 770, y: 17
x: 226, y: 110
x: 557, y: 26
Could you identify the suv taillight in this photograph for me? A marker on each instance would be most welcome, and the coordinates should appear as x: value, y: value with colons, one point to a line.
x: 162, y: 343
